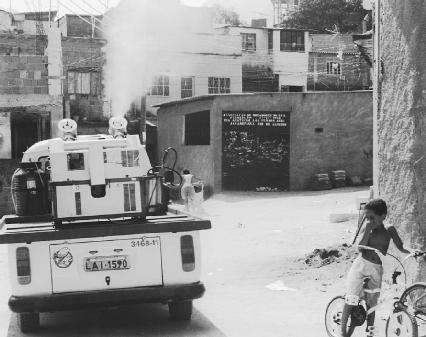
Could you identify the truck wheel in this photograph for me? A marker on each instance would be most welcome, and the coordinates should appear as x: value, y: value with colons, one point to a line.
x: 180, y: 310
x: 28, y: 321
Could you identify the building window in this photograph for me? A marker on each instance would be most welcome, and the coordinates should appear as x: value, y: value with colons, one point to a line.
x: 187, y: 87
x: 219, y: 85
x: 333, y: 68
x: 292, y: 88
x: 84, y: 83
x: 160, y: 86
x: 292, y: 40
x: 248, y: 41
x: 270, y: 40
x: 197, y: 128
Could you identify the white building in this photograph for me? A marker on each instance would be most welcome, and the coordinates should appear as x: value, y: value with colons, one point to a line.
x: 205, y: 62
x: 274, y: 59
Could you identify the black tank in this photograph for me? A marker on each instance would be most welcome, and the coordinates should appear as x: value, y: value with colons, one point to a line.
x: 30, y: 190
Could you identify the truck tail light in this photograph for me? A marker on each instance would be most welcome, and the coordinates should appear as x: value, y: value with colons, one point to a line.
x: 23, y: 265
x: 187, y: 251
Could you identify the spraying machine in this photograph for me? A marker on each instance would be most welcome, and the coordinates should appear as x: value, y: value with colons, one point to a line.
x: 88, y: 177
x: 92, y: 228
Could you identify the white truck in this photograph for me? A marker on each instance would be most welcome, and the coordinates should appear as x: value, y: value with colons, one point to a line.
x: 99, y: 246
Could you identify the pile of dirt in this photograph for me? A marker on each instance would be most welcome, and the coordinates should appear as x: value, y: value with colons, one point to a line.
x: 322, y: 257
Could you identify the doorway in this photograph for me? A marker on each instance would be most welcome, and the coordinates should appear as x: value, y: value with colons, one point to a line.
x: 256, y: 151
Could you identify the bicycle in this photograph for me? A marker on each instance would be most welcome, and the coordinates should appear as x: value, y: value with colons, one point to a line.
x: 411, y: 302
x: 400, y: 323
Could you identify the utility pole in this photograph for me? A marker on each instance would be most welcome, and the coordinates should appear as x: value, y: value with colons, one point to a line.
x: 401, y: 121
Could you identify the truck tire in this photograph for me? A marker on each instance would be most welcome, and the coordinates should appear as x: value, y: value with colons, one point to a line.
x: 180, y: 310
x: 28, y: 321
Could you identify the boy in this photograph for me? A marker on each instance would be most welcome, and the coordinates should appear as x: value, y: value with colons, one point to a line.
x: 187, y: 190
x: 368, y: 264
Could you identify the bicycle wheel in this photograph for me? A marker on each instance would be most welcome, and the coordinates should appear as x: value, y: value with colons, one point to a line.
x: 333, y: 318
x: 414, y: 298
x: 401, y: 324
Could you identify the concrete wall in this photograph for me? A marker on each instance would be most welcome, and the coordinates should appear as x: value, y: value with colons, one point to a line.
x: 200, y: 67
x: 5, y: 21
x: 292, y: 67
x: 74, y: 26
x: 198, y: 159
x: 345, y: 144
x: 355, y: 73
x: 23, y: 75
x: 17, y: 44
x: 44, y: 103
x: 5, y: 135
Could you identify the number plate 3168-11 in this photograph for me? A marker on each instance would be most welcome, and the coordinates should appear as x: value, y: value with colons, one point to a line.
x: 99, y: 263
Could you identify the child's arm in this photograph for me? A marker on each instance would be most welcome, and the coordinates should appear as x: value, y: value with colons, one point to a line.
x: 397, y: 240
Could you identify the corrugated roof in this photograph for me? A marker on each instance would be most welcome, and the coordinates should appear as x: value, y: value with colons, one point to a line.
x: 326, y: 43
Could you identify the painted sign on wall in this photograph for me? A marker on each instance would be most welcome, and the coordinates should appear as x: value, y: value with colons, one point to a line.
x: 256, y: 150
x: 5, y: 136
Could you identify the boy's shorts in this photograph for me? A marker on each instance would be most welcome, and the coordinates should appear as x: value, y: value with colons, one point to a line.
x: 360, y: 270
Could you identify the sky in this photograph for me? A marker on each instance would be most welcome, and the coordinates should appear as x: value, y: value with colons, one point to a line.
x: 247, y: 9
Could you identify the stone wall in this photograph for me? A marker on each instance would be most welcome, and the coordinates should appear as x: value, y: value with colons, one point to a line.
x: 401, y: 118
x: 344, y: 144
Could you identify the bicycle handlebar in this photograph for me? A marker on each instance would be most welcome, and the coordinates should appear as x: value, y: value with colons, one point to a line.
x: 395, y: 274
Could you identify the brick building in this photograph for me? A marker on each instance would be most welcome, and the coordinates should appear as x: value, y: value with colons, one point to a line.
x: 30, y: 105
x: 336, y: 64
x: 83, y: 60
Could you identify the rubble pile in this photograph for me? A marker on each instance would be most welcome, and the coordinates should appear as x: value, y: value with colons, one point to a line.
x: 322, y: 257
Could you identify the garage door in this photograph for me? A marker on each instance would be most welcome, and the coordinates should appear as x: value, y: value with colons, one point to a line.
x: 256, y: 150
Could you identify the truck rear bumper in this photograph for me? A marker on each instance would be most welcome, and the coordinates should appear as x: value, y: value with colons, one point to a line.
x: 82, y: 300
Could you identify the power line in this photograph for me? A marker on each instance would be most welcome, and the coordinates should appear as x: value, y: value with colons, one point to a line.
x: 91, y: 7
x: 90, y: 23
x: 94, y: 17
x: 103, y: 5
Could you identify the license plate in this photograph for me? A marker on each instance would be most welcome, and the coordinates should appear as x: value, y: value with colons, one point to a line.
x: 99, y: 263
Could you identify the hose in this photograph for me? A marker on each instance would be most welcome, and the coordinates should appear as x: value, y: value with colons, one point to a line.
x: 11, y: 188
x: 159, y: 171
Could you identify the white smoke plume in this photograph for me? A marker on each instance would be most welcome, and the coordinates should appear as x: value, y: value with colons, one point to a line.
x: 143, y: 37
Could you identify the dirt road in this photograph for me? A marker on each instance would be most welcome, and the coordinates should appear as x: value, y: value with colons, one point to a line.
x: 257, y: 239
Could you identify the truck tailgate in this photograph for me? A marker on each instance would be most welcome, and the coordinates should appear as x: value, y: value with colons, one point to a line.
x: 106, y: 264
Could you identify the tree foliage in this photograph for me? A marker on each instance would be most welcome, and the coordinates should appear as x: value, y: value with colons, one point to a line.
x: 323, y: 15
x: 226, y: 16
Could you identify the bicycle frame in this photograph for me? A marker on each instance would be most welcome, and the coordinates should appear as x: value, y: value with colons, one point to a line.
x: 394, y: 278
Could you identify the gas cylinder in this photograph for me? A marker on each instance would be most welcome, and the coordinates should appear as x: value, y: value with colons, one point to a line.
x: 30, y: 190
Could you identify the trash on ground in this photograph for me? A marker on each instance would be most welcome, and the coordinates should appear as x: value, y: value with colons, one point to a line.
x: 322, y: 257
x: 279, y: 286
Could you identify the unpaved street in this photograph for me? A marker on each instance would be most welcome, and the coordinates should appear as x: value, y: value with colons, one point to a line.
x: 257, y: 239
